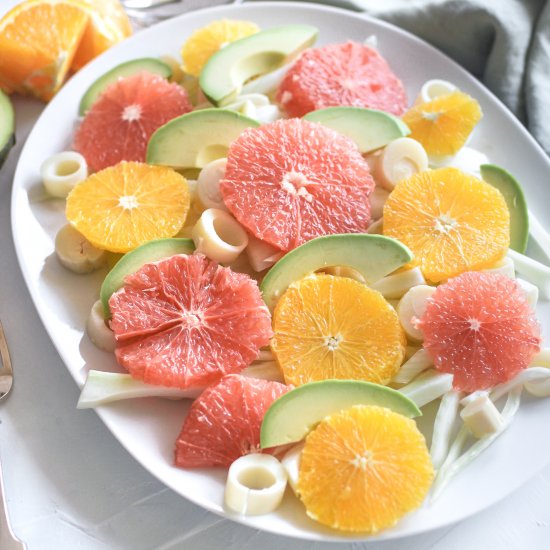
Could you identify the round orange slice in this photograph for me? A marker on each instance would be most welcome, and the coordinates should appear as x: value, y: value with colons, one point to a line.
x: 444, y: 124
x: 128, y: 204
x: 451, y: 221
x: 363, y: 469
x: 335, y: 327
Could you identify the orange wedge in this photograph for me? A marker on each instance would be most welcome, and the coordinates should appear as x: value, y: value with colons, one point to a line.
x: 363, y: 469
x: 38, y: 41
x: 108, y: 25
x: 335, y: 327
x: 206, y: 41
x: 444, y: 124
x: 128, y: 204
x: 451, y: 221
x: 41, y: 40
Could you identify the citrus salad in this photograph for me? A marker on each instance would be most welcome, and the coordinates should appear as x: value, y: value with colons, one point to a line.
x: 312, y: 259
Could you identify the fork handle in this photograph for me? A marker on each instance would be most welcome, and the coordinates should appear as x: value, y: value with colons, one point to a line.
x: 8, y: 540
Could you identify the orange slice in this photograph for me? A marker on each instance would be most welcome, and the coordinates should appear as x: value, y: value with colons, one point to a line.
x: 206, y: 41
x: 335, y: 327
x: 444, y: 124
x: 364, y: 468
x: 129, y: 204
x: 108, y: 25
x: 38, y: 40
x: 451, y: 221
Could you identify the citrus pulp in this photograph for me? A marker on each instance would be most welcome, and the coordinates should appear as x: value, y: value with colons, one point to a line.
x: 293, y: 180
x: 185, y: 321
x: 480, y: 327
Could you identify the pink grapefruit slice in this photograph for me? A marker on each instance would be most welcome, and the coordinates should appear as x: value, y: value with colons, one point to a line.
x: 480, y: 328
x: 293, y: 180
x: 185, y: 322
x: 224, y: 421
x: 350, y: 74
x: 119, y: 124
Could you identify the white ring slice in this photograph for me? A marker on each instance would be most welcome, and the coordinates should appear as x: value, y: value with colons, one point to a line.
x: 62, y: 171
x: 400, y: 159
x: 435, y: 88
x: 219, y: 236
x: 255, y: 484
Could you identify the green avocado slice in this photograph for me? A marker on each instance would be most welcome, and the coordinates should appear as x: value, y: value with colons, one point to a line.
x: 368, y: 128
x: 147, y: 64
x: 373, y: 256
x: 513, y: 195
x: 227, y: 70
x: 133, y: 260
x: 7, y: 127
x: 293, y: 415
x: 197, y: 138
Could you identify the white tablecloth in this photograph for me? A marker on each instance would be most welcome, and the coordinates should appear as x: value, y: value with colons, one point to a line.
x: 70, y: 484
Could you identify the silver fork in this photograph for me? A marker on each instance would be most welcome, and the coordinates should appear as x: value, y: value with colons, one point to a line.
x: 8, y: 541
x: 144, y: 13
x: 146, y: 4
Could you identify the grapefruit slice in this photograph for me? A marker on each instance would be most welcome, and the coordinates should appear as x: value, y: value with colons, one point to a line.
x: 293, y: 180
x: 119, y: 124
x: 480, y: 328
x: 185, y: 321
x: 225, y: 420
x: 349, y: 74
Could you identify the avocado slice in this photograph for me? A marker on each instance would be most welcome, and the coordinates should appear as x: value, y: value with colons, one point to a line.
x: 197, y: 138
x: 293, y: 415
x: 144, y: 64
x: 368, y: 128
x: 373, y: 256
x: 513, y: 195
x: 133, y: 260
x: 7, y: 127
x: 228, y: 69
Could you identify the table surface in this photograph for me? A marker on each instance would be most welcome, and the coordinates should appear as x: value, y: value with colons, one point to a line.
x: 71, y: 485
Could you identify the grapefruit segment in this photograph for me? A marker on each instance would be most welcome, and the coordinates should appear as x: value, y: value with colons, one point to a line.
x: 185, y: 321
x: 480, y: 328
x: 293, y: 180
x: 119, y: 124
x: 349, y: 74
x: 224, y: 421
